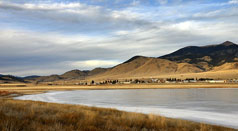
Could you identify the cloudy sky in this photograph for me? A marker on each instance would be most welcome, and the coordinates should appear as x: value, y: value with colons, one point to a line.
x: 43, y: 37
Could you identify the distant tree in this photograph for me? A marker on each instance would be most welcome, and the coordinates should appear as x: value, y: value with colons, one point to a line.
x: 92, y: 82
x: 37, y: 82
x: 114, y: 82
x: 137, y: 81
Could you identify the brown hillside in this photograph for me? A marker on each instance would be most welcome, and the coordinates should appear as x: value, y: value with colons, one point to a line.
x: 97, y: 71
x: 126, y: 67
x: 187, y: 68
x: 10, y: 79
x: 206, y: 57
x: 213, y: 61
x: 75, y: 74
x: 49, y: 78
x: 226, y: 66
x: 71, y: 75
x: 147, y: 67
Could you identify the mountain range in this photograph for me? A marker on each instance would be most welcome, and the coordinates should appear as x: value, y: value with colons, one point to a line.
x: 193, y: 61
x: 10, y: 79
x: 206, y: 57
x: 71, y: 75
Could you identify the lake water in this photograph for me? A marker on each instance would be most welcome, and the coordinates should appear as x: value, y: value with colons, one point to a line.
x: 214, y: 106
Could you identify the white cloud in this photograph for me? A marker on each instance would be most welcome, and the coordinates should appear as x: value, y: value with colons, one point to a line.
x: 233, y: 2
x: 49, y: 51
x: 90, y: 64
x: 228, y: 15
x: 163, y: 1
x: 68, y: 17
x: 120, y: 34
x: 186, y: 26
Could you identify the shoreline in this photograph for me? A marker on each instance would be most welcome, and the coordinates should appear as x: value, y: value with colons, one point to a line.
x: 19, y: 91
x: 160, y: 111
x: 129, y: 109
x: 35, y: 115
x: 32, y: 89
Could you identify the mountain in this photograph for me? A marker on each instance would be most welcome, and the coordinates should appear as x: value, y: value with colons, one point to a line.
x: 138, y: 66
x: 71, y: 75
x: 206, y: 57
x: 141, y: 66
x: 10, y: 79
x: 74, y: 74
x: 49, y: 78
x: 193, y: 60
x: 31, y: 77
x: 97, y: 71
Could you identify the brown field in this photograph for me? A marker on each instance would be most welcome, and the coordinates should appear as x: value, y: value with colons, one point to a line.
x: 214, y: 74
x: 16, y: 115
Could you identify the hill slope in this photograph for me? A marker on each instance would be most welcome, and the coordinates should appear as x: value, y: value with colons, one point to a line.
x: 141, y: 66
x: 206, y: 57
x: 226, y: 66
x: 10, y: 79
x: 71, y: 75
x: 191, y: 60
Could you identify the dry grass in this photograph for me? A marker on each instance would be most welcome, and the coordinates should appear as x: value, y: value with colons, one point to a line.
x: 13, y: 85
x: 16, y: 115
x: 214, y: 74
x: 7, y: 93
x: 4, y: 93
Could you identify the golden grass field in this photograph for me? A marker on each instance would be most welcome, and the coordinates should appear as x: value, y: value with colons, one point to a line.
x: 17, y: 115
x: 214, y: 74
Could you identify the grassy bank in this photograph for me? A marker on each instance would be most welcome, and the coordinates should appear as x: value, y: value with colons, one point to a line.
x: 16, y: 115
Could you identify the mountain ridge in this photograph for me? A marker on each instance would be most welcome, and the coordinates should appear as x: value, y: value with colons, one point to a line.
x: 190, y: 59
x: 210, y: 56
x: 10, y: 79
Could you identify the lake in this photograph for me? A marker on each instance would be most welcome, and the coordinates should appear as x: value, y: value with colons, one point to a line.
x: 213, y: 105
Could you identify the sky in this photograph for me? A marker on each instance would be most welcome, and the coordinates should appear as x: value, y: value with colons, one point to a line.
x: 43, y: 37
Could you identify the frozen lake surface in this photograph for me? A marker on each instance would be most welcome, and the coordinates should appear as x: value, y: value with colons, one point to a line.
x: 214, y: 106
